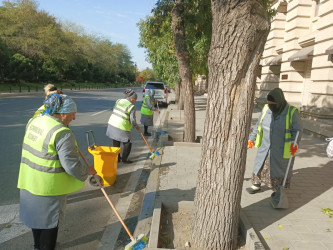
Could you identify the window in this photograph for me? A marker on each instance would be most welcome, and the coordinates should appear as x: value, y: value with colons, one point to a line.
x: 154, y: 85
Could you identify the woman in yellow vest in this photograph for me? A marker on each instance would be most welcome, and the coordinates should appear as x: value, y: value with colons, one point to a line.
x: 147, y: 111
x: 274, y: 136
x: 121, y: 122
x: 48, y: 89
x: 50, y: 169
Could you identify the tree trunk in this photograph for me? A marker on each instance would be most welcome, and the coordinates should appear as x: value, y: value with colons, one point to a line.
x: 177, y: 92
x: 178, y: 29
x: 180, y: 97
x: 240, y: 30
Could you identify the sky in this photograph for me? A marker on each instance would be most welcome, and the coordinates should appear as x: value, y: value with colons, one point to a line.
x: 112, y: 19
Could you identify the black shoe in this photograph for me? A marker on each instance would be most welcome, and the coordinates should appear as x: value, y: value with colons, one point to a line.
x: 253, y: 190
x: 147, y: 134
x: 127, y: 162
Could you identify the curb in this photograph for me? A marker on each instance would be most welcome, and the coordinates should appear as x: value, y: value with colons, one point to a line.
x: 253, y: 242
x: 155, y: 225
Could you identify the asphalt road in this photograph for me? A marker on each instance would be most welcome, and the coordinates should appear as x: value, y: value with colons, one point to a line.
x: 89, y: 223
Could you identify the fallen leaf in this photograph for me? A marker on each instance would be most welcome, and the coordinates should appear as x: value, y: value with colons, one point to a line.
x: 187, y: 227
x: 327, y: 211
x: 280, y: 226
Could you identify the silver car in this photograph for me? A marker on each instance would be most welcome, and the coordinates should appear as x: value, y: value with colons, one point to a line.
x: 161, y: 92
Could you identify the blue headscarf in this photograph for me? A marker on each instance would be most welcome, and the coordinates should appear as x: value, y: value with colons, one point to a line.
x: 59, y: 104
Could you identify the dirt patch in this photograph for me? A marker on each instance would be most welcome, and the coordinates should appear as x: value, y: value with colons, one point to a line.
x: 175, y: 229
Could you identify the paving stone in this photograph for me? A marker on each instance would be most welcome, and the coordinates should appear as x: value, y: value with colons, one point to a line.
x: 328, y: 245
x: 307, y: 245
x: 279, y: 244
x: 321, y: 237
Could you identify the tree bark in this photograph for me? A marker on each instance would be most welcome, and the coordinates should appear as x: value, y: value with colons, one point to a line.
x: 178, y: 29
x: 179, y: 96
x: 240, y: 30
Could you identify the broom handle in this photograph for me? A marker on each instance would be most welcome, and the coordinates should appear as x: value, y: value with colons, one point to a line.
x: 107, y: 198
x: 145, y: 141
x: 289, y: 163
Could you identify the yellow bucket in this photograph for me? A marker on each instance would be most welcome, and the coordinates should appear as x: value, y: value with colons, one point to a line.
x: 105, y: 163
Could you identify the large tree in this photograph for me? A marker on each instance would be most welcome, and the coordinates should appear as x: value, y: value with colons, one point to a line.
x: 177, y: 38
x: 178, y: 30
x: 240, y: 29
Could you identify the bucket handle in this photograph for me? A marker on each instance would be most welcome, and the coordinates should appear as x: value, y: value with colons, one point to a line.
x: 90, y: 134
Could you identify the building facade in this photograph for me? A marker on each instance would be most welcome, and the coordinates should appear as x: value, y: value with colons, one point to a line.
x: 298, y: 57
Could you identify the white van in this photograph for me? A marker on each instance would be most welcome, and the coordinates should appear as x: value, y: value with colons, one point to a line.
x: 161, y: 92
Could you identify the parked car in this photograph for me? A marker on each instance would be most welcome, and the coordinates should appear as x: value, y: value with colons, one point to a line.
x: 161, y: 92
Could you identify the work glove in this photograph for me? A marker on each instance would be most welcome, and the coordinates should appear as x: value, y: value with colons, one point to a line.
x: 250, y: 144
x: 293, y: 148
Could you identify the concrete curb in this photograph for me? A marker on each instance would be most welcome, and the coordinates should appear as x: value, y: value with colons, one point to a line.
x: 187, y: 144
x: 253, y: 242
x: 155, y: 225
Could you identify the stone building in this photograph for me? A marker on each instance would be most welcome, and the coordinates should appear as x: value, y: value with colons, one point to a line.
x: 298, y: 58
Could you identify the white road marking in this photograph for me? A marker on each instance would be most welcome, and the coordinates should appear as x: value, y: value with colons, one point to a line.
x: 99, y: 112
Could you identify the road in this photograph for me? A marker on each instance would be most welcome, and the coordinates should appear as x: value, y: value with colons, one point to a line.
x: 89, y: 223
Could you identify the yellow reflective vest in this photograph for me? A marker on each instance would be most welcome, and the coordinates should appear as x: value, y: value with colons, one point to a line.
x: 120, y: 117
x: 287, y: 134
x: 40, y: 170
x: 145, y: 110
x: 39, y: 111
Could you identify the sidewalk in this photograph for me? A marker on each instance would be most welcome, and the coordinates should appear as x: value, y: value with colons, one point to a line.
x: 302, y: 226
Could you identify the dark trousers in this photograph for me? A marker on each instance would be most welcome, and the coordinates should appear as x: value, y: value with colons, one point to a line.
x: 45, y: 239
x: 146, y: 129
x: 126, y: 149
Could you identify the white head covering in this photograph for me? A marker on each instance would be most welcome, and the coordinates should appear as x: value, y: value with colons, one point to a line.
x: 151, y: 92
x: 129, y: 93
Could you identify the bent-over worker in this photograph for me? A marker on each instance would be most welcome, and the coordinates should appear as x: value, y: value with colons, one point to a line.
x: 147, y: 111
x: 121, y: 122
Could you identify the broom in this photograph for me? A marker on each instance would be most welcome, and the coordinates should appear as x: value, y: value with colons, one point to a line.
x: 279, y: 199
x: 137, y: 243
x: 153, y: 154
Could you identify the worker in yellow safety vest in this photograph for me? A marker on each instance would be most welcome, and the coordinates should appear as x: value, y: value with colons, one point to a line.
x: 121, y: 122
x: 50, y: 169
x: 147, y: 111
x: 274, y: 136
x: 48, y: 89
